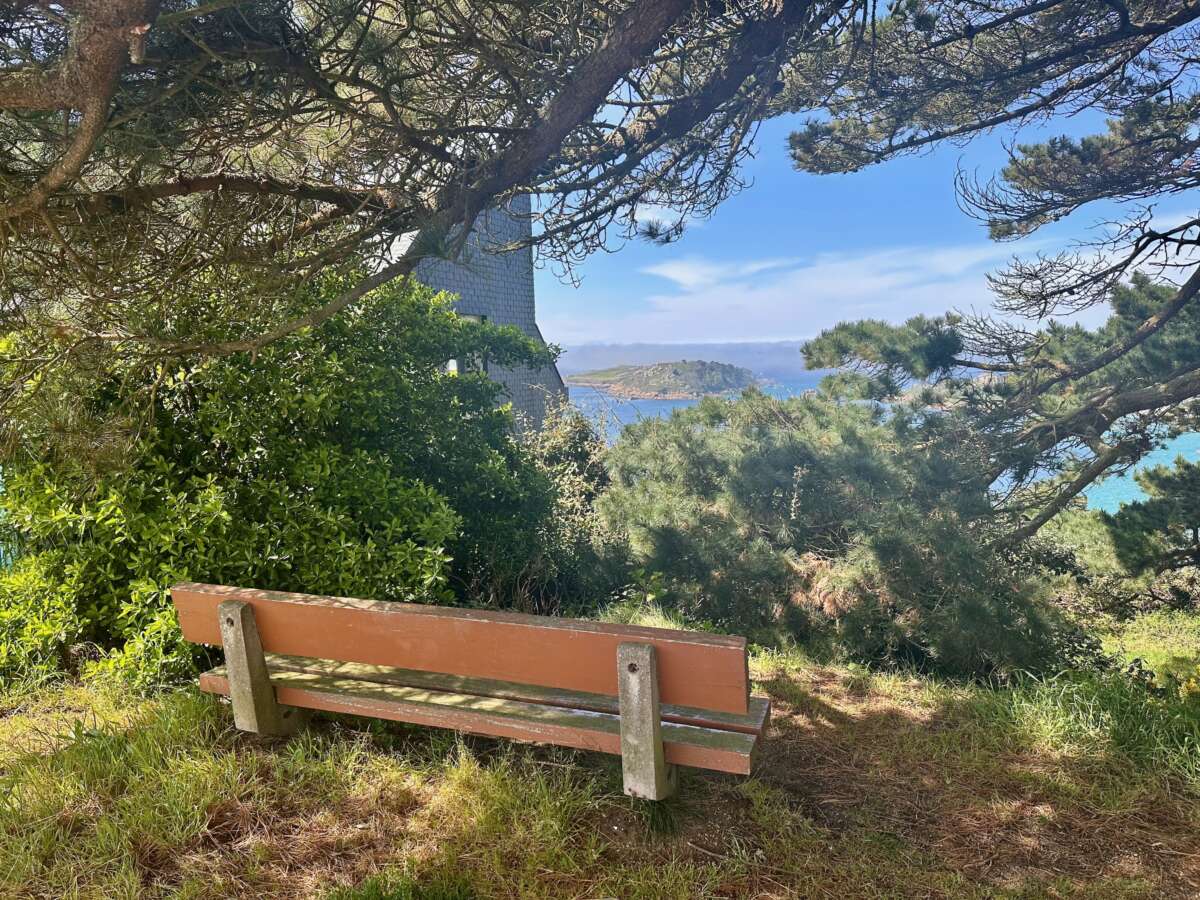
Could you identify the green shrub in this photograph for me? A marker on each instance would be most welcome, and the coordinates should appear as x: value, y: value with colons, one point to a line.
x: 828, y: 520
x: 342, y: 460
x: 38, y: 620
x: 578, y: 562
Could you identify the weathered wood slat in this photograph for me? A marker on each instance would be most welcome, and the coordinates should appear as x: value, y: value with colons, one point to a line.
x: 752, y: 723
x: 685, y: 745
x: 699, y: 670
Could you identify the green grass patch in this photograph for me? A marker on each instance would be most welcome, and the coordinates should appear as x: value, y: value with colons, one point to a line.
x: 391, y: 886
x: 870, y: 784
x: 1166, y: 641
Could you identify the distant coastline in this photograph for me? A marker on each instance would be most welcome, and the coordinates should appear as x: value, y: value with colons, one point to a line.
x: 622, y: 392
x: 677, y: 380
x: 777, y: 360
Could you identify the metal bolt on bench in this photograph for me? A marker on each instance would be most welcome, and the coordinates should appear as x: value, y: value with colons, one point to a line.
x: 659, y: 698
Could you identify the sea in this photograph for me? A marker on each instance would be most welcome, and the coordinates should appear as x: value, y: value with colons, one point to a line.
x: 612, y: 414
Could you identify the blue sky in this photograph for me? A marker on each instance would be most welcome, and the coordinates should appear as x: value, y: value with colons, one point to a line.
x: 793, y: 253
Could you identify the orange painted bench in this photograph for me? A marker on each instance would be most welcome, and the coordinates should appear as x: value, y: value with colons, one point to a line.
x: 658, y: 697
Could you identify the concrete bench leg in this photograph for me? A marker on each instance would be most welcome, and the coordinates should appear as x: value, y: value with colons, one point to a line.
x: 254, y: 705
x: 643, y: 764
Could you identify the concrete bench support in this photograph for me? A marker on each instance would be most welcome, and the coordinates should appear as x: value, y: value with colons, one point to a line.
x: 646, y: 773
x: 254, y: 706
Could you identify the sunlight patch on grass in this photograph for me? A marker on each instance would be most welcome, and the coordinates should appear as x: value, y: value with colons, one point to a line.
x: 174, y: 799
x: 766, y: 662
x: 39, y: 720
x: 1166, y: 641
x: 638, y: 611
x: 514, y: 818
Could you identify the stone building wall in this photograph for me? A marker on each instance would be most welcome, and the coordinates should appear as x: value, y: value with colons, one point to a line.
x: 499, y: 287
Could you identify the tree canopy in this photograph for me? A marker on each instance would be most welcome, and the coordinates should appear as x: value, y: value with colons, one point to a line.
x: 833, y: 523
x: 1161, y: 532
x: 1038, y: 397
x: 172, y: 171
x: 1044, y: 431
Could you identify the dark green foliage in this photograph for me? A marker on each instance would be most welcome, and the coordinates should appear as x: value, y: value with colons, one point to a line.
x: 939, y: 71
x: 828, y: 519
x: 1043, y: 424
x: 343, y: 460
x: 1140, y: 154
x: 920, y: 348
x: 578, y: 562
x: 1162, y: 532
x: 1053, y: 400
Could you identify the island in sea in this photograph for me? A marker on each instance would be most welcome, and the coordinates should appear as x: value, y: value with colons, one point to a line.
x: 680, y: 380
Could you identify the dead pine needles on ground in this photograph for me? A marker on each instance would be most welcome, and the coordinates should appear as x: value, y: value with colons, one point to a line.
x: 869, y: 785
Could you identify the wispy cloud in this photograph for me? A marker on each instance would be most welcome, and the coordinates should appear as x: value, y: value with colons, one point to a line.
x: 692, y: 273
x: 783, y: 298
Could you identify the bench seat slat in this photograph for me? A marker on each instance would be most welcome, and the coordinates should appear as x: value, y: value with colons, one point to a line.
x: 686, y: 745
x: 752, y: 723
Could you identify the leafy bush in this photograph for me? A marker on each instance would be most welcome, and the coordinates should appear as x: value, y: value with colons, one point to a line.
x: 828, y: 519
x: 342, y: 460
x: 579, y: 561
x: 37, y: 622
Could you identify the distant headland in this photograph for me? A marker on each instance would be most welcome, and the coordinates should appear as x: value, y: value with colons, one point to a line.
x: 777, y: 360
x: 679, y: 380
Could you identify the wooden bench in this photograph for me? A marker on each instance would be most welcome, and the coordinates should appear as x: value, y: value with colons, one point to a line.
x: 655, y: 696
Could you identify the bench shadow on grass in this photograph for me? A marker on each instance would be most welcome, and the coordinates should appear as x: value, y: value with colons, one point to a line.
x: 858, y: 791
x: 968, y: 782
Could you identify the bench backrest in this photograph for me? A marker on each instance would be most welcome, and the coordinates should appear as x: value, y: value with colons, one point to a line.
x: 705, y: 671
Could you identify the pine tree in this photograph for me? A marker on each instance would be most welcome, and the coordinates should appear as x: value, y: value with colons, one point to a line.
x: 1161, y: 532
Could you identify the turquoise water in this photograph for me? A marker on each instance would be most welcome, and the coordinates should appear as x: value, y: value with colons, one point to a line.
x: 1107, y: 495
x: 1110, y: 493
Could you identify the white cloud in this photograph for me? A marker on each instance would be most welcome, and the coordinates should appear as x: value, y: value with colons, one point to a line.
x: 783, y: 298
x: 692, y: 273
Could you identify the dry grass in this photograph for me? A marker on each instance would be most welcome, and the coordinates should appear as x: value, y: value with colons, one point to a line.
x: 868, y: 786
x: 38, y: 721
x: 994, y: 804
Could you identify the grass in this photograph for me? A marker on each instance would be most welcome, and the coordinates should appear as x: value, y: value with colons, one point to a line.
x: 870, y: 785
x: 1166, y: 641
